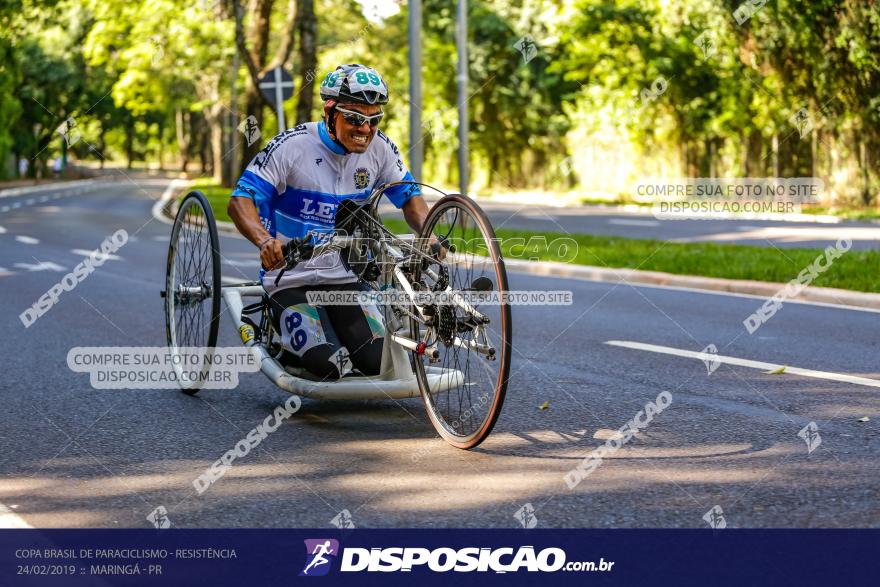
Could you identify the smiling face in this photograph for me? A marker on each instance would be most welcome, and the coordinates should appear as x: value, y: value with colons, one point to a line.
x: 356, y: 138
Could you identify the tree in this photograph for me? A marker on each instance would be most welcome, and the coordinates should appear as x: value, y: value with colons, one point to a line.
x: 307, y: 27
x: 255, y: 57
x: 171, y: 56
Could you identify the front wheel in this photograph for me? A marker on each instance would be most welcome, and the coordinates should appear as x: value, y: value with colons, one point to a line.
x: 192, y: 291
x: 464, y: 386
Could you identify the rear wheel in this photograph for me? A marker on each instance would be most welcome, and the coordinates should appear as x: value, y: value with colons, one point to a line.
x: 192, y: 291
x: 464, y: 402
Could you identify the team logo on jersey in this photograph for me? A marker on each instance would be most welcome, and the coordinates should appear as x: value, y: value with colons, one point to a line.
x: 240, y: 187
x: 361, y: 178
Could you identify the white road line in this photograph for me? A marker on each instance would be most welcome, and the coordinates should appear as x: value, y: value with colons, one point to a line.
x: 653, y: 348
x: 11, y: 520
x: 41, y: 266
x: 28, y: 240
x: 625, y: 222
x: 2, y: 230
x: 237, y: 263
x: 163, y: 199
x: 99, y: 256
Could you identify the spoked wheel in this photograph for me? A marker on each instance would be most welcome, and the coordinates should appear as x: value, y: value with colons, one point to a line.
x: 464, y: 386
x: 192, y: 291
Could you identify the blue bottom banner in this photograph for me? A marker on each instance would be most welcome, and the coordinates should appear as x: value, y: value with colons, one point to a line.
x: 467, y: 557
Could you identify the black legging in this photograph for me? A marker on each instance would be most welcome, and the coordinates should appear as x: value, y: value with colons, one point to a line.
x: 328, y: 341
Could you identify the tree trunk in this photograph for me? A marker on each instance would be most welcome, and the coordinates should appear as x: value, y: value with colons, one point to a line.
x: 308, y: 58
x: 204, y: 152
x: 775, y: 146
x: 181, y: 120
x: 17, y: 157
x: 129, y: 141
x: 161, y: 128
x: 102, y: 145
x: 214, y: 118
x: 217, y: 150
x: 754, y: 164
x: 865, y: 178
x: 713, y: 157
x: 258, y: 39
x: 253, y: 106
x: 493, y: 167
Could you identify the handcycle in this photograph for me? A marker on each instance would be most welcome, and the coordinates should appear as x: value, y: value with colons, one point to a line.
x: 441, y: 341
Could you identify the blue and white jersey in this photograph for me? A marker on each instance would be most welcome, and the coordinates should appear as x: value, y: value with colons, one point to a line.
x: 298, y: 180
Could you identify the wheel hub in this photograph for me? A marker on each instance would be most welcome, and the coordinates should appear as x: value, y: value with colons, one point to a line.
x: 192, y: 294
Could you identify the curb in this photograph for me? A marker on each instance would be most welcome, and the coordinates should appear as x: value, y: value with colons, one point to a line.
x: 165, y: 207
x: 764, y: 289
x: 816, y: 295
x: 51, y: 185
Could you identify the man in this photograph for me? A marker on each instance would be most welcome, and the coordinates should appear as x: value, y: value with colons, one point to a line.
x: 295, y: 185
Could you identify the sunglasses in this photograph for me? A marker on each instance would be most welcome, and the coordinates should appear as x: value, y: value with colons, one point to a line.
x: 358, y: 119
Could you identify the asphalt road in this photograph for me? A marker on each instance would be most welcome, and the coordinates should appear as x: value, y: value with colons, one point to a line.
x: 73, y: 456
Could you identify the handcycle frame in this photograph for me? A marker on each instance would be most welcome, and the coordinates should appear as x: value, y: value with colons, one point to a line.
x: 396, y: 379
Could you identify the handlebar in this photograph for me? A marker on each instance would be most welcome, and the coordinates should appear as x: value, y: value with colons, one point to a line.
x: 300, y: 249
x: 294, y: 251
x: 442, y: 242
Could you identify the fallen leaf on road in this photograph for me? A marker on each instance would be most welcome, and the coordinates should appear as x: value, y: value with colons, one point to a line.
x: 779, y: 371
x: 865, y: 419
x: 544, y: 406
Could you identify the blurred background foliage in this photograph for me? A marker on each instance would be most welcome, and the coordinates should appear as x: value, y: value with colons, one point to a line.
x: 612, y: 91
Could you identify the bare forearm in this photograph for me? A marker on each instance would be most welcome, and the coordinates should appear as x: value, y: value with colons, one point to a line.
x: 247, y: 220
x: 415, y: 211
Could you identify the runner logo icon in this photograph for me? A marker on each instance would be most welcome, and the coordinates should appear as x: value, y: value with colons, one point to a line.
x: 318, y: 553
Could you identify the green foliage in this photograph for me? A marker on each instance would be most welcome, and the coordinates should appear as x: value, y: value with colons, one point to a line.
x: 10, y: 106
x: 650, y: 86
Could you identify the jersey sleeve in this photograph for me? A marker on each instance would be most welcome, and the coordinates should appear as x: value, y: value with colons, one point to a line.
x: 266, y: 177
x: 393, y: 169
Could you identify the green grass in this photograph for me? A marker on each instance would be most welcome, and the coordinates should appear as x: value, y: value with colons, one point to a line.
x: 217, y: 195
x: 856, y: 270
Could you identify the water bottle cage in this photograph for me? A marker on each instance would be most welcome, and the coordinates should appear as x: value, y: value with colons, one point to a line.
x: 263, y: 308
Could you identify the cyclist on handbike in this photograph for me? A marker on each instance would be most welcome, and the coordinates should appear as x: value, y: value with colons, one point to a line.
x: 293, y: 187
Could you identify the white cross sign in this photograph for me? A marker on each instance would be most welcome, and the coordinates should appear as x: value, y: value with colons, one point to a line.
x: 277, y: 86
